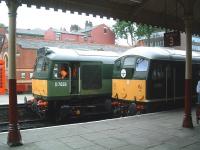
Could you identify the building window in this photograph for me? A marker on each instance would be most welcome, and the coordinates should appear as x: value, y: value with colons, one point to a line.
x: 30, y: 75
x: 85, y: 38
x: 58, y: 36
x: 17, y: 53
x: 23, y: 75
x: 105, y: 30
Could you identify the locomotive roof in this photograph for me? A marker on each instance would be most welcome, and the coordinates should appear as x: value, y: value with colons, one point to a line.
x: 59, y: 54
x: 161, y: 53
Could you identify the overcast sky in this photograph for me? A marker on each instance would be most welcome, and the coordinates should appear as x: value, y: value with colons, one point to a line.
x: 30, y: 18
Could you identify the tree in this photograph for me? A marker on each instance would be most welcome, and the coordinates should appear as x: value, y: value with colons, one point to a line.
x: 125, y: 30
x: 2, y: 25
x: 145, y: 31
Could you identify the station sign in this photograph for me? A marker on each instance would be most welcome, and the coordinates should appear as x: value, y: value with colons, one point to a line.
x: 172, y: 39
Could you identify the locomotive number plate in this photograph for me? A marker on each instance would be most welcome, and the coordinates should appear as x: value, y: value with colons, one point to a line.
x: 60, y: 84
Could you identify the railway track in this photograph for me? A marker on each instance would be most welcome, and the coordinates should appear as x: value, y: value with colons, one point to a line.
x: 25, y: 124
x: 23, y: 113
x: 38, y: 123
x: 29, y: 120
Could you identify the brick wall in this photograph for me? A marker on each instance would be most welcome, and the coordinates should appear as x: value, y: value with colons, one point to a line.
x: 50, y: 34
x: 100, y: 35
x: 103, y: 35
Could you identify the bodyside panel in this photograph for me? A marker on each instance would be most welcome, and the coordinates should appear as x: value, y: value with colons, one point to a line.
x: 58, y: 88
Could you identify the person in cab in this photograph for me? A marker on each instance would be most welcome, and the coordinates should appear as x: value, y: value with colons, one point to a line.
x: 63, y: 73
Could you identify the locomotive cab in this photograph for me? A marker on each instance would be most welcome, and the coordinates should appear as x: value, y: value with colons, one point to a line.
x: 129, y: 73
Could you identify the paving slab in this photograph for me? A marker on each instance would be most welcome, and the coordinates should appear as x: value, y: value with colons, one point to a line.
x: 156, y: 131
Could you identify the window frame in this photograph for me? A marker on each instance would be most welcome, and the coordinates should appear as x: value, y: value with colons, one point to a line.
x: 56, y: 73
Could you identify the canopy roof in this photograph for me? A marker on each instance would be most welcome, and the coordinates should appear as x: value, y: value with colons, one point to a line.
x: 161, y: 13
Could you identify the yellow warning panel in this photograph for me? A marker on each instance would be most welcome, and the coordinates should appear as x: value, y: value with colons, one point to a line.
x: 39, y: 87
x: 130, y: 90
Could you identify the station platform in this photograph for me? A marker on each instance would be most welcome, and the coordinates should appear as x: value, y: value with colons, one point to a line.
x: 156, y: 131
x: 4, y: 99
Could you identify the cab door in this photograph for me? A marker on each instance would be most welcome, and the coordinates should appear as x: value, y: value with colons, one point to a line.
x: 60, y: 84
x: 74, y: 76
x: 170, y: 86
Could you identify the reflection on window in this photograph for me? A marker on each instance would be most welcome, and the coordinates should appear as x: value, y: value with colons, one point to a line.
x: 141, y: 64
x: 129, y: 61
x: 55, y: 71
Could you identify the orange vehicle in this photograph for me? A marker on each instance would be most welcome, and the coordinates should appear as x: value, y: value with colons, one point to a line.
x: 2, y: 78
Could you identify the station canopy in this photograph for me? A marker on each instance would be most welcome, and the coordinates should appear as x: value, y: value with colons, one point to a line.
x: 167, y: 14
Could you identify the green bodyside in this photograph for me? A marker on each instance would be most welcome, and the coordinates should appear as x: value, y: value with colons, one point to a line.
x: 58, y: 88
x: 61, y: 88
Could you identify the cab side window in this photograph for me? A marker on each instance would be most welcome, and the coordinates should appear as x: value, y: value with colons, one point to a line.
x: 141, y: 68
x: 129, y: 62
x: 55, y: 71
x: 60, y: 71
x: 141, y: 64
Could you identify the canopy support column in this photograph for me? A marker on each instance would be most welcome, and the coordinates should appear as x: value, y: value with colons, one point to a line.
x: 187, y: 121
x: 14, y: 136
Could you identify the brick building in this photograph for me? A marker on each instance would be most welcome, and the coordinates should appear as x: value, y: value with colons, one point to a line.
x: 25, y: 57
x: 100, y: 34
x: 28, y: 41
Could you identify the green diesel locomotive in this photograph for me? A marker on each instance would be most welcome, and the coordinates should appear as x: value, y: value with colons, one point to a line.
x: 149, y: 79
x: 68, y: 82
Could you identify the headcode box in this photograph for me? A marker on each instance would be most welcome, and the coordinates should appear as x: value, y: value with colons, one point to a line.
x: 172, y: 39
